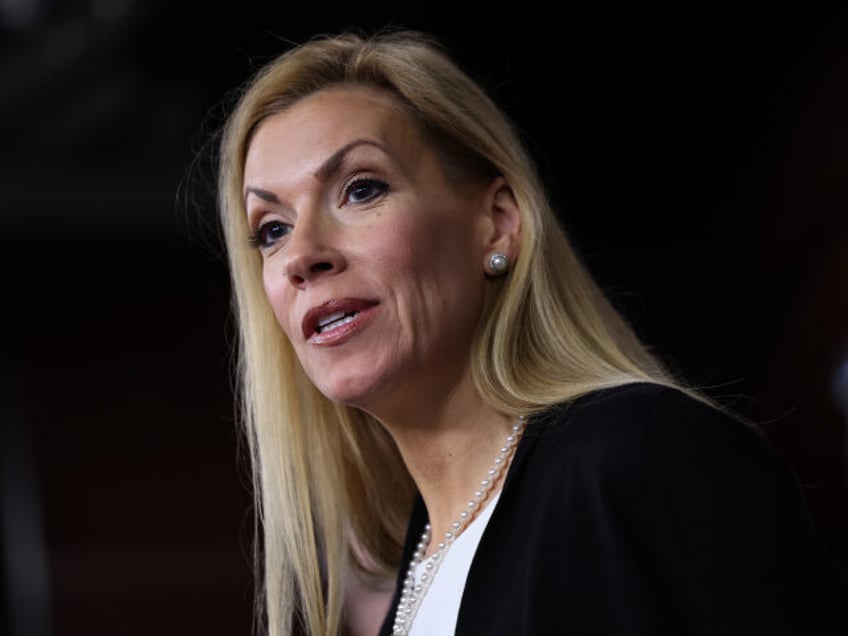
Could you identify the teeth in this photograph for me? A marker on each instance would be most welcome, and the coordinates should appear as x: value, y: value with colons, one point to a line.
x: 334, y: 320
x: 331, y: 318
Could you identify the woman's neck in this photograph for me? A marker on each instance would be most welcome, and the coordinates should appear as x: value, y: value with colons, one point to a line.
x: 448, y: 446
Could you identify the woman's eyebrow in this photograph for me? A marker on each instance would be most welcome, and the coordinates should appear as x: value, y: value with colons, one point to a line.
x: 265, y: 195
x: 326, y: 170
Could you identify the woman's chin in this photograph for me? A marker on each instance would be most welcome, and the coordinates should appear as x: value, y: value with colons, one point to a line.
x: 358, y: 392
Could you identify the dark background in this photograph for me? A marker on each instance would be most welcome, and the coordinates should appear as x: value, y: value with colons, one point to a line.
x: 699, y: 159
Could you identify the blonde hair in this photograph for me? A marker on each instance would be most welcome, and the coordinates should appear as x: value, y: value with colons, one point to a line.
x: 327, y: 474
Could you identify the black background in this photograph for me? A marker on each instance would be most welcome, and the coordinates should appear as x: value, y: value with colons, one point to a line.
x: 698, y: 159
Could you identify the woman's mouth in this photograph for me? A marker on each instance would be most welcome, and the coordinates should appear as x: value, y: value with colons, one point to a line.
x: 336, y: 320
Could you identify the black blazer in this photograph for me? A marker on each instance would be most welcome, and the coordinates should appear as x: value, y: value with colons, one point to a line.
x: 639, y: 510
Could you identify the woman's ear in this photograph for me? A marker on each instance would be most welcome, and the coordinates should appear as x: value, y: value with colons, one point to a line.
x: 502, y: 228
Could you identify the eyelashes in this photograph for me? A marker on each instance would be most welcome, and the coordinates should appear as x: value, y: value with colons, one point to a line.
x: 268, y: 233
x: 364, y: 190
x: 358, y: 191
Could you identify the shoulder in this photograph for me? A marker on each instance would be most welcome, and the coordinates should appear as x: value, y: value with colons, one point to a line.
x: 637, y: 401
x: 639, y: 408
x: 657, y: 476
x: 646, y: 426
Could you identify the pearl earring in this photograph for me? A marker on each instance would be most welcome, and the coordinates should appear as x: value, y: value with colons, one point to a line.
x: 498, y: 263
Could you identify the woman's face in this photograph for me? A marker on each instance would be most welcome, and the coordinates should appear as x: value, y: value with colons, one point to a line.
x: 373, y: 261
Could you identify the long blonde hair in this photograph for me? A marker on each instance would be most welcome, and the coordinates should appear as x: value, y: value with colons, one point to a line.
x: 326, y: 473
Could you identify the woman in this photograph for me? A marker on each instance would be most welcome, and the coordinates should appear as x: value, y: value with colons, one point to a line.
x: 433, y: 385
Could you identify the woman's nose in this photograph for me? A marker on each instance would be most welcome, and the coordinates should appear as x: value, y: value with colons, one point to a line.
x: 311, y: 252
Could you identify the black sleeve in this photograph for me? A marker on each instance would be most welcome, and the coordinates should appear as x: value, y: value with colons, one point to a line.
x: 740, y: 554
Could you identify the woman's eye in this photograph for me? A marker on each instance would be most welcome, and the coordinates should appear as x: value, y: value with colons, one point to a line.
x: 365, y: 190
x: 269, y: 233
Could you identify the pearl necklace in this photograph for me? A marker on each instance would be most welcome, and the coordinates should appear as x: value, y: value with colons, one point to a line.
x: 413, y: 594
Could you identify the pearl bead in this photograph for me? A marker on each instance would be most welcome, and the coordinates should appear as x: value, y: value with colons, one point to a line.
x: 413, y: 592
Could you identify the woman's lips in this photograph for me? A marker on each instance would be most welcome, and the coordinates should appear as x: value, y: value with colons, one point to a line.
x: 335, y: 320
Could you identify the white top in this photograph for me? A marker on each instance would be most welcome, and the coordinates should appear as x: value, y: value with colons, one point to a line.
x: 439, y: 609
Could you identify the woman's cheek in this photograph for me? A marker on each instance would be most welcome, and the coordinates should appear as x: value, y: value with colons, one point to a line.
x: 279, y: 305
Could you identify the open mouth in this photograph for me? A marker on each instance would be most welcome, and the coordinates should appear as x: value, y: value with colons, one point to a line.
x: 336, y: 316
x: 335, y: 320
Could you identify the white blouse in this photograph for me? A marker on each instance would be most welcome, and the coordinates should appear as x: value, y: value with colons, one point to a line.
x: 439, y: 609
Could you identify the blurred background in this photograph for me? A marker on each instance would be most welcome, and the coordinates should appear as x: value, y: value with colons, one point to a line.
x: 698, y: 158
